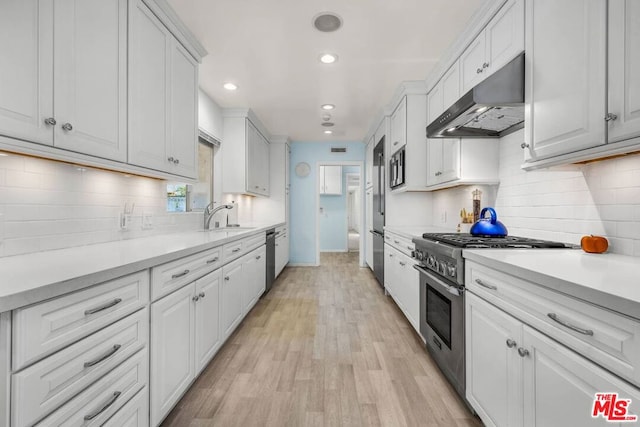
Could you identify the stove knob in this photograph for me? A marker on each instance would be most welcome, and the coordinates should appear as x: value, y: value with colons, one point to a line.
x: 442, y: 267
x: 451, y: 270
x: 431, y: 261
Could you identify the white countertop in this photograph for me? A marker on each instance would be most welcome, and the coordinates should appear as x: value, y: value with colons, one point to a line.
x: 26, y: 279
x: 416, y: 231
x: 607, y: 280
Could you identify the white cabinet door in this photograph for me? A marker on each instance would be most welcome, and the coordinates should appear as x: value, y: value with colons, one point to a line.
x: 435, y: 103
x: 184, y: 111
x: 450, y: 83
x: 231, y: 297
x: 149, y: 68
x: 280, y: 253
x: 505, y: 36
x: 172, y: 344
x: 494, y: 368
x: 369, y: 164
x: 26, y: 70
x: 250, y: 266
x: 434, y: 160
x: 390, y: 275
x: 321, y: 176
x: 90, y: 77
x: 259, y: 273
x: 253, y: 159
x: 369, y: 236
x: 565, y: 76
x: 624, y: 69
x: 409, y: 289
x: 450, y: 168
x: 207, y: 321
x: 332, y: 180
x: 398, y: 125
x: 265, y: 166
x: 560, y: 385
x: 473, y: 64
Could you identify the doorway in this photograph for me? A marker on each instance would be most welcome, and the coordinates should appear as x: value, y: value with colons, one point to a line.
x: 339, y: 213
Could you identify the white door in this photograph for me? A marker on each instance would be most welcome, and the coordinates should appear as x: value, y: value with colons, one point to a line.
x: 624, y: 69
x: 184, y: 111
x: 207, y: 323
x: 473, y: 64
x: 231, y: 297
x: 505, y: 35
x: 560, y: 385
x: 565, y: 76
x: 494, y: 368
x: 26, y: 70
x: 172, y: 344
x: 450, y: 169
x: 90, y: 70
x: 149, y: 68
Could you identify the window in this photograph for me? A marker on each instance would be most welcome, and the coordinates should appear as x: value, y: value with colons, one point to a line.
x: 194, y: 197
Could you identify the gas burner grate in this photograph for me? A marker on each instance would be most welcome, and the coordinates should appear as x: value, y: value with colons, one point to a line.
x: 465, y: 240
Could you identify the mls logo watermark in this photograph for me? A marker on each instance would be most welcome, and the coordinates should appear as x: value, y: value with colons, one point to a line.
x: 612, y: 408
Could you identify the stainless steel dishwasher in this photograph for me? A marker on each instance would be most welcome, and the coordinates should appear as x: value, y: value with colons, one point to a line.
x: 271, y: 258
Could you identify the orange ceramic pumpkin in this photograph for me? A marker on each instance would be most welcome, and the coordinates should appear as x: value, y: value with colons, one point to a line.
x: 594, y: 244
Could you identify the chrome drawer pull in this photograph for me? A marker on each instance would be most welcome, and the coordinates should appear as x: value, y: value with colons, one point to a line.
x: 111, y: 401
x: 103, y: 307
x: 511, y: 343
x: 236, y: 250
x: 396, y: 242
x: 554, y: 317
x: 105, y: 356
x: 523, y: 352
x: 485, y: 285
x: 212, y: 260
x: 184, y: 273
x: 258, y: 257
x: 403, y: 263
x: 201, y: 294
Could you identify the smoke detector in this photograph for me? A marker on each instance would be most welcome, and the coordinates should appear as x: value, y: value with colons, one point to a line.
x: 327, y: 22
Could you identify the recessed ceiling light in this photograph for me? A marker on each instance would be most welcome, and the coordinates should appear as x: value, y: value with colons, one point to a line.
x: 230, y: 86
x: 328, y: 132
x: 328, y: 58
x: 328, y: 106
x: 327, y: 22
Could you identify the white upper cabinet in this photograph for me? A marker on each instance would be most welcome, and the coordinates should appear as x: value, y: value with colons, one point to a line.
x: 162, y: 97
x: 463, y: 161
x: 565, y: 76
x: 369, y: 163
x: 245, y: 155
x: 450, y: 84
x: 624, y: 69
x: 500, y: 41
x: 330, y: 180
x: 398, y: 126
x: 76, y: 50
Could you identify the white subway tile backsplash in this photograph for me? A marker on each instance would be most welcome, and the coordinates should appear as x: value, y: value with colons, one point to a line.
x: 51, y: 205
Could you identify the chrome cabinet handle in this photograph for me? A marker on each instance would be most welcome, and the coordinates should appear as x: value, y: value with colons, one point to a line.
x: 50, y: 121
x: 226, y: 278
x: 479, y: 70
x: 170, y: 159
x: 410, y: 248
x: 67, y: 127
x: 485, y: 285
x: 523, y: 352
x: 403, y: 263
x: 212, y: 260
x: 195, y: 298
x: 258, y: 257
x: 111, y: 401
x: 511, y: 343
x: 610, y: 117
x: 485, y: 65
x: 236, y: 250
x: 184, y: 273
x: 396, y: 242
x: 566, y: 324
x: 396, y: 143
x: 105, y: 356
x: 524, y: 145
x: 201, y: 295
x: 103, y: 307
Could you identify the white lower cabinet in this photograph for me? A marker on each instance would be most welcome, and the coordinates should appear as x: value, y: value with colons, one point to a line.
x: 231, y: 297
x: 516, y: 376
x: 185, y: 335
x: 282, y: 251
x: 402, y: 282
x: 254, y: 270
x: 134, y: 414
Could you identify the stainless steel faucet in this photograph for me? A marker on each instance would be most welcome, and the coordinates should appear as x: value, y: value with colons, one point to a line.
x: 210, y: 211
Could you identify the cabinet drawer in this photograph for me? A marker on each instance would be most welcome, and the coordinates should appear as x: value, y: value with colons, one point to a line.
x: 404, y: 245
x: 135, y: 413
x: 608, y: 338
x: 43, y: 328
x: 105, y: 397
x: 232, y: 250
x: 43, y: 387
x: 170, y: 276
x: 250, y: 243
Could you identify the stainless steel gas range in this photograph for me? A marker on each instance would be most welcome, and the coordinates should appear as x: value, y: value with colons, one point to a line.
x: 441, y: 268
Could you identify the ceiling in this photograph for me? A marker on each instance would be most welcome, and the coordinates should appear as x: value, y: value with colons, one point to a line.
x: 270, y: 49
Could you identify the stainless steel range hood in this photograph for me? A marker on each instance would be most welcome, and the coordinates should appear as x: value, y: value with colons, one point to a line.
x: 495, y: 107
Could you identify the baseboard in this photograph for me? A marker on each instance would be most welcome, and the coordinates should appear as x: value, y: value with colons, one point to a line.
x: 334, y: 250
x: 302, y: 264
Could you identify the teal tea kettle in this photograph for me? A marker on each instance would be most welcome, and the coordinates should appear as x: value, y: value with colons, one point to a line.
x: 488, y: 227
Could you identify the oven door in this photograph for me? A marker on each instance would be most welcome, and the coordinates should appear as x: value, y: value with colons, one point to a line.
x: 442, y: 325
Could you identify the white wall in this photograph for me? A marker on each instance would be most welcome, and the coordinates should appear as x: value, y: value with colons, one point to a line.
x: 48, y: 205
x: 563, y: 203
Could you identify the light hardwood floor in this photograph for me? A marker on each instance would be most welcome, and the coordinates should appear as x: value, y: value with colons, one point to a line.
x: 325, y: 347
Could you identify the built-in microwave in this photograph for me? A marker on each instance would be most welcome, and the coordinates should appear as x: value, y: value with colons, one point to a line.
x: 396, y: 168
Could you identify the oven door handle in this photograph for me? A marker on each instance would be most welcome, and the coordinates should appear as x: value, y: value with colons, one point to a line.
x: 454, y: 290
